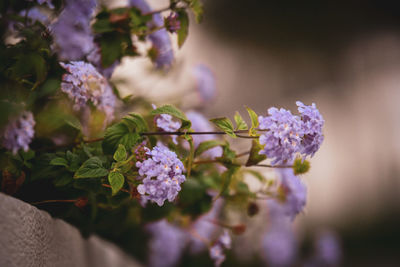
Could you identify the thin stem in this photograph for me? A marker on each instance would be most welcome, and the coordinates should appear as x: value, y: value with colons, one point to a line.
x: 53, y: 201
x: 273, y: 166
x: 157, y: 11
x: 242, y: 154
x: 122, y: 189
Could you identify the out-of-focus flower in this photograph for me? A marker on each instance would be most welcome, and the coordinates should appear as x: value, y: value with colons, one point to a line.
x: 19, y: 132
x: 162, y: 46
x: 205, y: 82
x: 283, y: 137
x: 279, y: 246
x: 201, y: 124
x: 47, y: 2
x: 217, y: 250
x: 167, y: 123
x: 327, y: 250
x: 72, y: 34
x: 94, y: 57
x: 204, y: 229
x: 172, y: 22
x: 293, y: 193
x: 312, y: 123
x: 84, y: 83
x: 161, y: 175
x: 166, y: 245
x: 36, y: 14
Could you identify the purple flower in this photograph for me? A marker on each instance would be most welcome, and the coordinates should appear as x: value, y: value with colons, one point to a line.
x: 161, y: 175
x: 279, y: 246
x: 201, y: 124
x: 294, y: 196
x: 84, y: 83
x: 47, y: 2
x: 160, y: 39
x: 72, y: 34
x: 327, y: 250
x: 166, y: 245
x: 35, y: 14
x: 172, y: 22
x: 312, y: 123
x: 19, y: 132
x: 283, y: 137
x: 206, y: 85
x: 94, y: 58
x: 217, y: 250
x: 167, y: 123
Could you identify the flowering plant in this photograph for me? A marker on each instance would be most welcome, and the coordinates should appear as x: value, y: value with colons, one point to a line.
x: 67, y: 149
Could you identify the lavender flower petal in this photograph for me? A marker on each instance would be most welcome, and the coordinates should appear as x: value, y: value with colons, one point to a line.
x: 19, y: 132
x: 206, y: 85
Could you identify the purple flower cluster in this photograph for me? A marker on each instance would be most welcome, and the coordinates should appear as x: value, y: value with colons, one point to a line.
x: 19, y: 132
x: 279, y: 246
x: 47, y: 2
x: 172, y: 22
x: 327, y: 250
x: 201, y: 124
x: 84, y: 83
x: 205, y: 81
x: 72, y: 33
x: 166, y: 245
x: 167, y: 123
x: 312, y: 123
x: 161, y: 174
x: 160, y: 39
x: 287, y: 134
x: 217, y: 249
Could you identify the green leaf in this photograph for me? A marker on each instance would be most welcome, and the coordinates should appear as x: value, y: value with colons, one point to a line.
x: 190, y: 158
x: 116, y: 181
x: 91, y: 168
x: 254, y: 121
x: 73, y: 122
x: 120, y: 153
x: 197, y: 9
x: 102, y: 25
x: 184, y: 26
x: 63, y: 180
x: 206, y: 145
x: 173, y: 111
x: 135, y: 122
x: 254, y: 156
x: 59, y: 162
x: 240, y: 123
x: 225, y: 125
x: 301, y: 166
x: 119, y: 134
x: 227, y: 178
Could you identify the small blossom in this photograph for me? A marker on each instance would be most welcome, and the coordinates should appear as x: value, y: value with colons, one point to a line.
x: 327, y: 250
x: 19, y: 132
x: 162, y: 46
x: 167, y: 123
x: 161, y: 175
x: 72, y: 34
x: 47, y: 2
x: 217, y: 250
x: 201, y: 124
x: 283, y: 137
x: 279, y: 246
x: 36, y: 14
x: 84, y: 83
x: 312, y: 123
x: 172, y: 22
x: 166, y: 245
x: 205, y: 82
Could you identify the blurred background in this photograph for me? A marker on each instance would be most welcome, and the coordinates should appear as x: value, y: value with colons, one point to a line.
x: 345, y: 57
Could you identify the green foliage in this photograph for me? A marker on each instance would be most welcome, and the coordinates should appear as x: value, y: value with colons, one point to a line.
x: 91, y: 168
x: 175, y: 112
x: 254, y: 121
x: 240, y: 123
x: 255, y: 156
x: 301, y: 166
x: 227, y: 178
x: 197, y: 8
x: 184, y: 26
x: 117, y: 134
x: 120, y: 153
x: 225, y: 124
x: 206, y: 145
x: 116, y: 181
